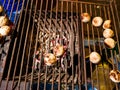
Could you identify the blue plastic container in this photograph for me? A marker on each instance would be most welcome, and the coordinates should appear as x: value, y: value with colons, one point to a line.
x: 8, y: 8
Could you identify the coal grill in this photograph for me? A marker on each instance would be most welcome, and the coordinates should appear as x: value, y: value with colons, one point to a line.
x: 40, y: 26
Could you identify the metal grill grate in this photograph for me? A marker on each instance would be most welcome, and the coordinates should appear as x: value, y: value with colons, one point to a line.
x: 40, y: 26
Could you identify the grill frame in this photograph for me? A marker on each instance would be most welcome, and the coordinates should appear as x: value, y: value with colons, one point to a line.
x: 81, y: 45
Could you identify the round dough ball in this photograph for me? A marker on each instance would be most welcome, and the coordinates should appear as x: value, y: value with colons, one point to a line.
x: 50, y: 59
x: 115, y: 76
x: 108, y: 33
x: 58, y: 50
x: 4, y: 20
x: 95, y: 57
x: 97, y: 21
x: 85, y: 17
x: 107, y: 24
x: 5, y: 30
x: 1, y: 9
x: 110, y: 43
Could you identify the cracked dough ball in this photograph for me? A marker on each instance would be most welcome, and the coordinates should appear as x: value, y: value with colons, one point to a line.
x: 108, y: 33
x: 50, y: 59
x: 85, y: 17
x: 110, y: 43
x: 107, y: 24
x: 115, y: 76
x: 97, y: 21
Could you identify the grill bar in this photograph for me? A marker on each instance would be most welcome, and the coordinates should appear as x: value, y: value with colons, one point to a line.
x: 83, y: 53
x: 103, y: 68
x: 66, y: 77
x: 115, y: 25
x: 48, y: 47
x: 41, y: 55
x: 9, y: 41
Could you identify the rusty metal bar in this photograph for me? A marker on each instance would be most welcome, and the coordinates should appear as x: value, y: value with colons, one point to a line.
x: 88, y: 38
x: 93, y: 36
x: 88, y: 2
x: 112, y: 56
x: 79, y: 54
x: 47, y: 51
x: 28, y: 59
x: 72, y: 51
x: 15, y: 46
x: 116, y: 10
x: 53, y: 72
x: 116, y: 33
x: 98, y: 32
x: 23, y: 54
x: 11, y: 58
x: 66, y: 60
x: 39, y: 73
x: 83, y: 53
x: 106, y: 53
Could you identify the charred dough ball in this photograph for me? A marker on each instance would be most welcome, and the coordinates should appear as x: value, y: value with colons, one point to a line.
x: 85, y: 17
x: 95, y: 57
x: 49, y: 59
x: 110, y: 43
x: 4, y: 20
x: 107, y: 24
x: 97, y: 21
x: 1, y: 9
x: 58, y: 50
x: 108, y: 33
x: 5, y: 30
x: 115, y: 76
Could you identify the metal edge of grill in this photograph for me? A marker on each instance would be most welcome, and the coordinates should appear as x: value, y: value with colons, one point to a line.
x: 20, y: 64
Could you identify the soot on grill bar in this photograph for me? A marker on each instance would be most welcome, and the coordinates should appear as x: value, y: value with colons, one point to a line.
x: 59, y: 45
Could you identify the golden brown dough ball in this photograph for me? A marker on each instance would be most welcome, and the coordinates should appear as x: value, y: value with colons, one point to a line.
x: 97, y: 21
x: 50, y: 59
x: 4, y: 20
x: 5, y: 30
x: 110, y: 43
x: 108, y: 33
x: 107, y: 24
x: 85, y: 17
x: 95, y: 57
x: 115, y: 76
x: 58, y: 50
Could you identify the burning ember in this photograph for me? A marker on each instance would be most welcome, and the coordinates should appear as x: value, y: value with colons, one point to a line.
x: 52, y: 49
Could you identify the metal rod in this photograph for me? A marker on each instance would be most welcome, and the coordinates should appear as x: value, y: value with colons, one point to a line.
x: 66, y: 81
x: 83, y: 2
x: 12, y: 56
x: 39, y: 73
x: 88, y: 37
x: 84, y: 61
x: 79, y: 53
x: 116, y: 10
x: 72, y: 45
x: 23, y: 54
x: 28, y: 60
